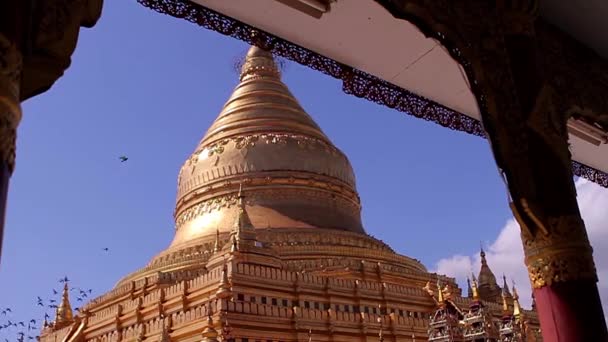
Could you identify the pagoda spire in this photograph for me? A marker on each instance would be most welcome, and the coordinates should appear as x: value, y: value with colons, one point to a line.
x: 259, y: 63
x: 516, y: 307
x: 505, y: 304
x: 469, y: 288
x: 474, y: 288
x: 64, y: 314
x: 487, y: 285
x: 505, y: 287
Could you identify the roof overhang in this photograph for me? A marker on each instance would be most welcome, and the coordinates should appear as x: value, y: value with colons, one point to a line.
x: 365, y: 36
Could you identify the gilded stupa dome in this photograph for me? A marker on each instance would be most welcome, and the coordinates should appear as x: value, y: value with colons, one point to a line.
x: 263, y: 140
x: 298, y: 187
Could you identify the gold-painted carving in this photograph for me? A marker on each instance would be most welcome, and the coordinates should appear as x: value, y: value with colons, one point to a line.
x: 247, y: 141
x: 560, y: 253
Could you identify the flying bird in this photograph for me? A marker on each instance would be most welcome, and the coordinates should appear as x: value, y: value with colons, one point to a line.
x: 64, y: 280
x: 105, y: 249
x: 55, y: 292
x: 123, y: 159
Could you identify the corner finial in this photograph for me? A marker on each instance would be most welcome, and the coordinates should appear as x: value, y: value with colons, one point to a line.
x: 516, y: 306
x: 223, y: 290
x: 243, y: 231
x: 440, y: 298
x: 474, y: 287
x: 469, y: 288
x: 64, y: 314
x: 209, y: 333
x: 505, y: 304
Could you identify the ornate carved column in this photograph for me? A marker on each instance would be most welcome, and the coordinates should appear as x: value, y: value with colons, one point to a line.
x: 525, y: 120
x: 530, y: 142
x: 10, y: 116
x: 37, y: 39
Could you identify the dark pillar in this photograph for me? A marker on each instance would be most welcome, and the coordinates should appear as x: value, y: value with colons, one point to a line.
x: 526, y: 123
x: 37, y: 39
x: 10, y: 115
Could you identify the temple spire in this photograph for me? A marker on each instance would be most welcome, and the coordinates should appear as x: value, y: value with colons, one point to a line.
x: 505, y: 287
x: 474, y: 288
x: 487, y: 285
x: 469, y: 288
x: 516, y: 307
x: 505, y: 304
x: 64, y: 314
x: 259, y: 63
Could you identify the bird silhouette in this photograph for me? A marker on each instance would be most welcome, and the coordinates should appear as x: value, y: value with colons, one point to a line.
x: 106, y: 249
x: 64, y: 280
x: 55, y: 292
x: 123, y: 159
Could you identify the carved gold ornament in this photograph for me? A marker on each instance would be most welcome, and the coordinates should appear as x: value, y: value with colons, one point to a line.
x: 559, y: 252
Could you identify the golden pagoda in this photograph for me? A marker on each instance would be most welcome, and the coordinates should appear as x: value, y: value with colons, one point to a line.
x: 269, y: 244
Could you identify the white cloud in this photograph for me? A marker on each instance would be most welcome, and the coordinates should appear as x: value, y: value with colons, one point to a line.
x: 505, y: 254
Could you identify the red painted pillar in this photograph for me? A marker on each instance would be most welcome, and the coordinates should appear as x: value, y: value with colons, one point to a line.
x: 529, y: 138
x: 571, y: 312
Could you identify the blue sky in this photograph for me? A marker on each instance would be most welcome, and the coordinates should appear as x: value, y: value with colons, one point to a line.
x: 148, y: 86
